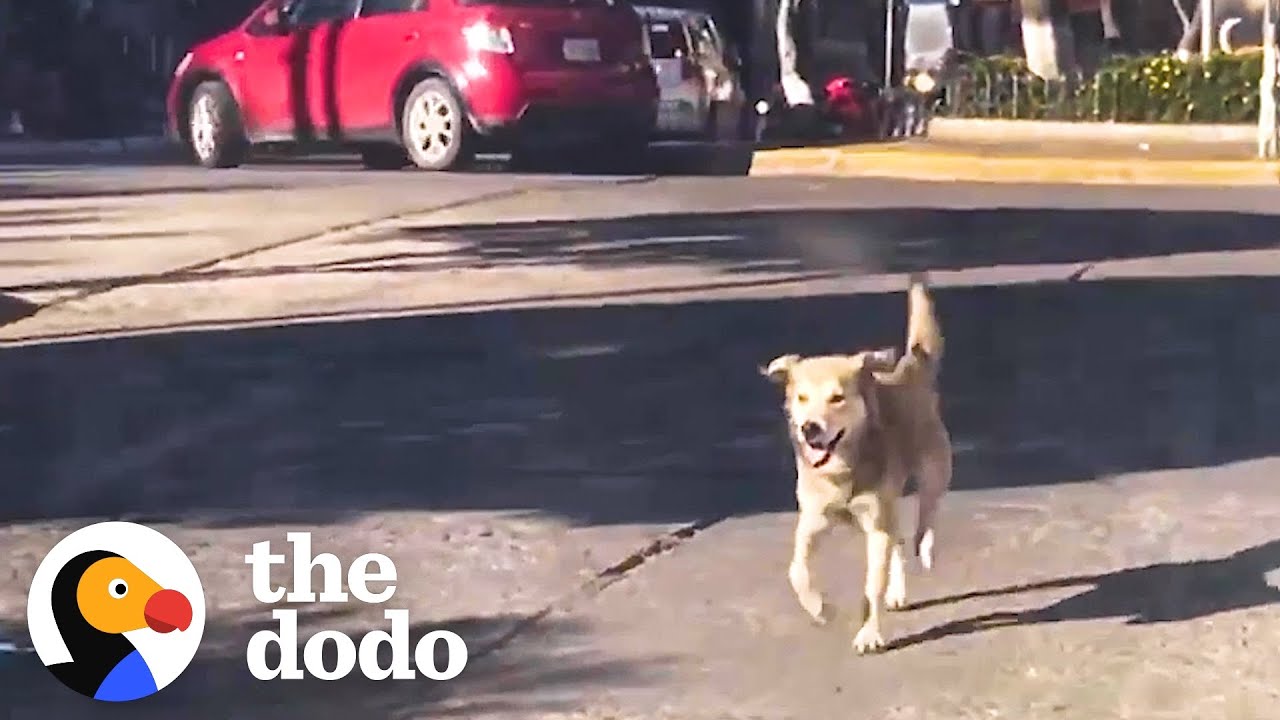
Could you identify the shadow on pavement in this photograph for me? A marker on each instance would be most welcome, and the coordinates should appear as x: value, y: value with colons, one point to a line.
x: 620, y: 414
x: 13, y: 309
x: 664, y: 159
x: 547, y: 672
x: 811, y: 244
x: 873, y: 240
x: 1164, y: 592
x: 53, y: 190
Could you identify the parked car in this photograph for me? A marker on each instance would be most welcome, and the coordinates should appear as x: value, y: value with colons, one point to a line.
x: 421, y: 82
x: 699, y: 90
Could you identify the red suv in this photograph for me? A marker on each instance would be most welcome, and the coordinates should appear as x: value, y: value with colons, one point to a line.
x: 422, y: 82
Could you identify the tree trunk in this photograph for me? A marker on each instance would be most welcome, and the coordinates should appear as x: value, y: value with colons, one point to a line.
x: 1039, y: 40
x: 794, y: 88
x: 1190, y: 42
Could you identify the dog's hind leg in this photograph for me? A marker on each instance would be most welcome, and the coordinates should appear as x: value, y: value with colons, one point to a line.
x: 933, y: 478
x: 809, y: 530
x: 895, y: 595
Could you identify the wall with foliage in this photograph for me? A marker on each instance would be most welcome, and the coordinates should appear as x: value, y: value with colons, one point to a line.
x: 1151, y: 89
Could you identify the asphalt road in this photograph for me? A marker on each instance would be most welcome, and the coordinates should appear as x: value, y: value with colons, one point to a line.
x: 514, y: 413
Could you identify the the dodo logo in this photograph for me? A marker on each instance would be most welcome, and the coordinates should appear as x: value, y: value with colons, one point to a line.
x: 116, y: 611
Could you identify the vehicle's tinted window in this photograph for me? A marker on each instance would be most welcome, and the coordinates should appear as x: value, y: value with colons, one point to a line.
x: 666, y: 40
x: 309, y: 12
x: 547, y: 3
x: 387, y: 7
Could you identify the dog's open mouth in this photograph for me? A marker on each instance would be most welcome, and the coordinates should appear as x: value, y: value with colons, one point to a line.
x: 819, y: 455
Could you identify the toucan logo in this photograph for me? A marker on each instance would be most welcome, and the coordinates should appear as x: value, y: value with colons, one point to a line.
x: 116, y: 611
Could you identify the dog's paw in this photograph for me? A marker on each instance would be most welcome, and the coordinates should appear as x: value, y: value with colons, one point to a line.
x: 895, y: 597
x: 868, y: 640
x: 924, y: 549
x: 814, y: 604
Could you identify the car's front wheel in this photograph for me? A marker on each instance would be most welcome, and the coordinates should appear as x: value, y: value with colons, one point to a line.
x: 215, y: 130
x: 434, y: 129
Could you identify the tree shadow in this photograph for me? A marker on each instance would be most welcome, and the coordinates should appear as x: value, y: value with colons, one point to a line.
x: 1152, y: 594
x: 304, y: 129
x: 55, y: 191
x: 550, y: 670
x: 896, y: 239
x: 621, y: 414
x: 793, y: 245
x: 13, y: 309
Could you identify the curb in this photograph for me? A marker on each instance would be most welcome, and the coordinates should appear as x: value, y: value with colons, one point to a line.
x: 974, y: 129
x: 870, y: 162
x: 112, y: 147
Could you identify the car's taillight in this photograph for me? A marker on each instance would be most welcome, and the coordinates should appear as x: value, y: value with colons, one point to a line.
x: 483, y: 37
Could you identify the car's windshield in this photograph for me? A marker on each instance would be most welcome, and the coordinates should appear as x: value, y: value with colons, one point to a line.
x: 666, y: 40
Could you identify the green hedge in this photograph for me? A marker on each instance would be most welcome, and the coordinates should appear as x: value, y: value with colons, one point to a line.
x: 1150, y: 89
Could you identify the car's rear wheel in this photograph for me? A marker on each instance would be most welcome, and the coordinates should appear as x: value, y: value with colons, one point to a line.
x: 434, y: 129
x: 215, y: 129
x: 384, y: 157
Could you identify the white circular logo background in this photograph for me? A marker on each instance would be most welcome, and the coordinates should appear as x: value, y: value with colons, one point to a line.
x: 154, y: 554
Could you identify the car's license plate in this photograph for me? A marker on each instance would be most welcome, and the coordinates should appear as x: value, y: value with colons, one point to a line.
x: 582, y: 50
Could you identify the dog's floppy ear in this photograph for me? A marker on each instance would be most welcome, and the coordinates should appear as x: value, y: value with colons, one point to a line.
x: 779, y: 369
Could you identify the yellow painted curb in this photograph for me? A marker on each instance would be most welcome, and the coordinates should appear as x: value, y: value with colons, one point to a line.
x: 923, y: 164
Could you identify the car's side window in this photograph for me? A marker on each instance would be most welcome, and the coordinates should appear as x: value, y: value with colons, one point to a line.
x: 371, y: 8
x: 304, y: 13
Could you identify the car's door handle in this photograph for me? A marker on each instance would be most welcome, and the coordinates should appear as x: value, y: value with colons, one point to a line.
x: 412, y: 36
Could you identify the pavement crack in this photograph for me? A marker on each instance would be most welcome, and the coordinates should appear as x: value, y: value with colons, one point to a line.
x: 659, y: 546
x: 618, y: 571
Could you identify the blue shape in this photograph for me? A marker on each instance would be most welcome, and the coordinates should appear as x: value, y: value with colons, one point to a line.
x: 130, y: 679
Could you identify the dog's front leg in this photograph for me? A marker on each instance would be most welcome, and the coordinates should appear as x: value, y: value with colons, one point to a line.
x: 810, y: 528
x: 878, y: 524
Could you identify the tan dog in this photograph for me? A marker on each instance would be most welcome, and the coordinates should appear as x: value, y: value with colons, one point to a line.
x: 860, y: 424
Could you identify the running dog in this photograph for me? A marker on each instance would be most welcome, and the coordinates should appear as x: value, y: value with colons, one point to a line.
x: 860, y: 424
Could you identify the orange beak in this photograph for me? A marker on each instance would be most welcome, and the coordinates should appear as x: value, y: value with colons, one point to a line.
x: 168, y: 610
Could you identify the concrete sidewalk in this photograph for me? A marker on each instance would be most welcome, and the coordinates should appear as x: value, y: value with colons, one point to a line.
x: 1034, y: 152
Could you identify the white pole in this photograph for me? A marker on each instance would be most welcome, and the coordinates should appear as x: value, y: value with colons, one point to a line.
x: 1206, y: 29
x: 1268, y: 138
x: 888, y: 44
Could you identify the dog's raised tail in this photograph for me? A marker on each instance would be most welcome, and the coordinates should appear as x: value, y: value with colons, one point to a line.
x: 924, y: 334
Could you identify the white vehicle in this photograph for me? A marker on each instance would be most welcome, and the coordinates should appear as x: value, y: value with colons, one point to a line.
x: 699, y: 92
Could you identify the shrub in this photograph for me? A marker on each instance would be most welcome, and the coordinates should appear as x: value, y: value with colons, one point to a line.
x: 1150, y: 89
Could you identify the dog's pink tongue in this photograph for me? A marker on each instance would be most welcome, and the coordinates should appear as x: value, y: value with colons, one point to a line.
x: 814, y: 455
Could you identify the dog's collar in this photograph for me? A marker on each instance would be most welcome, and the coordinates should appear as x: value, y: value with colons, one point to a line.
x: 830, y: 450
